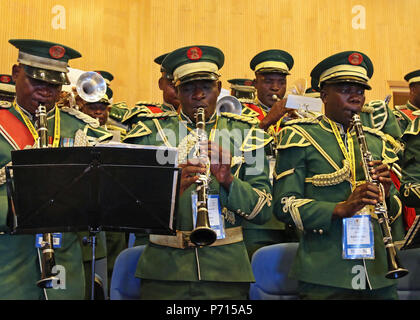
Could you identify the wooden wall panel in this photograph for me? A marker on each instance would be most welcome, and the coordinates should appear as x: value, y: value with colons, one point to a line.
x: 124, y: 36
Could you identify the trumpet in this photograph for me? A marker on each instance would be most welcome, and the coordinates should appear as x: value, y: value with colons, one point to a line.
x: 202, y: 235
x: 47, y: 258
x: 90, y: 87
x: 395, y: 271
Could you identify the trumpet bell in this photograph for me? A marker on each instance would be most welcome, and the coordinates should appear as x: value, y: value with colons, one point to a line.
x: 91, y: 86
x: 228, y: 104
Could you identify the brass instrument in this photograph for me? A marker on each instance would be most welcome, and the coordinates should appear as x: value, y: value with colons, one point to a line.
x: 47, y: 258
x: 202, y: 235
x: 229, y: 104
x: 90, y: 87
x: 395, y: 271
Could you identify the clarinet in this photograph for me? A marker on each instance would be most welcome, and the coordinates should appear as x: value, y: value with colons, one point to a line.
x: 47, y: 258
x: 395, y: 270
x: 202, y: 235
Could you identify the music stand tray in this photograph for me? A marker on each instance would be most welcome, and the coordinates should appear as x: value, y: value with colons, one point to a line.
x: 115, y: 187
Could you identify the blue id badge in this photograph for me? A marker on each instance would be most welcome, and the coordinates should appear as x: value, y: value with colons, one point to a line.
x: 216, y: 220
x: 57, y: 240
x: 358, y: 240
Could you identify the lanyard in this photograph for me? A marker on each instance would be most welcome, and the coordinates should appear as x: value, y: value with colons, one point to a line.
x: 348, y: 155
x: 32, y: 129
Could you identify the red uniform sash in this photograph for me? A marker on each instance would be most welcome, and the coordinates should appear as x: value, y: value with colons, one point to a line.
x: 15, y: 131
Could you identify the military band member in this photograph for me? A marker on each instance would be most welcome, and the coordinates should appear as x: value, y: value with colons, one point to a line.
x: 271, y: 68
x: 320, y: 187
x: 407, y: 113
x: 173, y: 269
x: 39, y: 75
x: 242, y: 89
x: 7, y: 88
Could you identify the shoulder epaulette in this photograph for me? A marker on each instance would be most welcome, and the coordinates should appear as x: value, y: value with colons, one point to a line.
x: 5, y: 104
x: 140, y: 108
x: 250, y: 120
x: 290, y: 137
x: 255, y: 139
x: 379, y: 113
x: 94, y: 123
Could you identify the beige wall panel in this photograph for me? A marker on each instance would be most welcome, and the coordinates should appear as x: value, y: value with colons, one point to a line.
x: 124, y: 36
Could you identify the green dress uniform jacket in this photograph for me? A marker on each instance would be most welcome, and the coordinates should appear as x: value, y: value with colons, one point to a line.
x: 410, y: 163
x: 20, y: 266
x: 274, y: 231
x: 311, y: 177
x: 248, y: 198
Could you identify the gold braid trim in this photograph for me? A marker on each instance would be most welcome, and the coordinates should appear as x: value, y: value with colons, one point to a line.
x: 367, y: 109
x: 392, y: 219
x: 317, y: 146
x: 397, y: 146
x: 292, y: 205
x: 302, y: 120
x: 82, y: 116
x: 283, y: 174
x: 158, y: 115
x: 413, y: 187
x: 250, y: 120
x: 331, y: 179
x: 185, y: 146
x: 264, y: 197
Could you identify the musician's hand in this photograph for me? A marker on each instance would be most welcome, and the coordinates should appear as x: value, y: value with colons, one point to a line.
x: 277, y: 111
x: 365, y: 194
x: 381, y: 173
x: 190, y: 173
x: 220, y: 160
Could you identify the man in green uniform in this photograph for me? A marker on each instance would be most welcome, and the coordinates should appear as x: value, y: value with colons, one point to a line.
x: 271, y: 68
x: 39, y: 75
x: 172, y: 267
x: 321, y: 188
x: 7, y: 88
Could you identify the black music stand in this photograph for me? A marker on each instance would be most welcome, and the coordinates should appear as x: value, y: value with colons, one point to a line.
x: 120, y: 187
